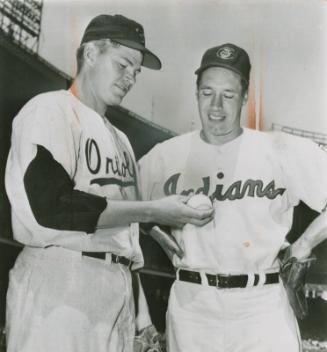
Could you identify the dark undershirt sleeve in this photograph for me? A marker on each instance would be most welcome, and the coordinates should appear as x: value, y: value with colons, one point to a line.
x: 54, y: 201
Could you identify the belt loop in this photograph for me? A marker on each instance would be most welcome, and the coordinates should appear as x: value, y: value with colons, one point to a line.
x: 109, y: 258
x: 177, y: 274
x: 250, y: 281
x: 204, y: 279
x: 262, y: 278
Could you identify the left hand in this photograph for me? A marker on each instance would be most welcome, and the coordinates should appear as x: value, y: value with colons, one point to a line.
x: 293, y: 273
x: 148, y: 340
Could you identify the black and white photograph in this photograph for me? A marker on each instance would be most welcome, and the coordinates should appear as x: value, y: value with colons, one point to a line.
x: 163, y: 178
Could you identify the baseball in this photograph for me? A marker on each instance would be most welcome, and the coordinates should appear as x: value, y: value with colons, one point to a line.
x: 200, y: 201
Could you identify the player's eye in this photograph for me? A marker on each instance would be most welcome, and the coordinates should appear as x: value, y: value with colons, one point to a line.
x: 206, y: 92
x: 228, y: 95
x: 122, y: 65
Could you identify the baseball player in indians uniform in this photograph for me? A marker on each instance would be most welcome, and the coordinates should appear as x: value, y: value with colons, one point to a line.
x: 228, y: 296
x: 71, y: 180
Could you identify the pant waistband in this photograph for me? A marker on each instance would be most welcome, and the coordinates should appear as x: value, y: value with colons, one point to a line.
x: 116, y: 259
x: 60, y: 253
x: 228, y: 281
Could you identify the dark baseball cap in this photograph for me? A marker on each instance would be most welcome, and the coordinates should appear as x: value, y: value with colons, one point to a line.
x: 123, y: 31
x: 228, y: 56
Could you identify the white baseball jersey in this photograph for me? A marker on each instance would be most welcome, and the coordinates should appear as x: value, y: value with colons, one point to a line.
x: 254, y: 181
x: 64, y: 162
x: 85, y: 148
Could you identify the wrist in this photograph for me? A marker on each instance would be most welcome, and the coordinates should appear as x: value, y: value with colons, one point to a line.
x: 147, y: 212
x: 151, y: 211
x: 142, y: 321
x: 300, y: 249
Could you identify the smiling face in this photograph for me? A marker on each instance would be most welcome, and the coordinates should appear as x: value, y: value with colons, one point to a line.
x: 111, y: 73
x: 220, y: 99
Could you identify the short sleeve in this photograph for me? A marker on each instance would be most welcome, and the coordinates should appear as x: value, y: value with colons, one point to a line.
x: 304, y: 167
x: 47, y: 127
x: 43, y: 126
x: 151, y: 172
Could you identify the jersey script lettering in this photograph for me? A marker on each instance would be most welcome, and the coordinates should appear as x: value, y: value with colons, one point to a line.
x: 120, y: 172
x: 237, y: 190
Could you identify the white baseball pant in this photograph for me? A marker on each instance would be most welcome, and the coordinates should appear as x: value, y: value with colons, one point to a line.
x: 61, y: 301
x: 253, y: 319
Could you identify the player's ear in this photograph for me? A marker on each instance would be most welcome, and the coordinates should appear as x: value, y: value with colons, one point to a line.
x: 245, y: 98
x: 90, y: 54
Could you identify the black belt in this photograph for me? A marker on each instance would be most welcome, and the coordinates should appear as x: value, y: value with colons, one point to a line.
x: 103, y: 255
x: 226, y: 281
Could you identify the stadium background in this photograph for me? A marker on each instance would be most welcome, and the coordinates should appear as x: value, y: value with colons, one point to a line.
x: 23, y: 75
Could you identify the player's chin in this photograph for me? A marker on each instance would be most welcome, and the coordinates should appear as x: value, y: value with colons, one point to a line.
x: 221, y: 129
x: 115, y: 100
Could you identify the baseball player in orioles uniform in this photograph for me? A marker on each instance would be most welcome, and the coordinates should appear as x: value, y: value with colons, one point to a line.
x: 227, y: 296
x: 71, y: 180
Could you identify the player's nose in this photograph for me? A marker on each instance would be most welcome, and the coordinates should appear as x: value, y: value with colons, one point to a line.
x: 130, y: 78
x: 216, y: 101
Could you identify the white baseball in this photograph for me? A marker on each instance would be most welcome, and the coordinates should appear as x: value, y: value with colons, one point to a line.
x: 200, y: 201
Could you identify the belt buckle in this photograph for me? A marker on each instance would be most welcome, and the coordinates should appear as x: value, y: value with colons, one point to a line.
x: 214, y: 280
x: 222, y: 281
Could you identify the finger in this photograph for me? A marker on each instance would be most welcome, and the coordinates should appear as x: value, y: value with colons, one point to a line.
x: 199, y: 213
x: 201, y: 222
x: 167, y: 242
x: 170, y: 252
x: 185, y: 199
x: 207, y: 212
x: 194, y: 219
x: 175, y: 249
x: 180, y: 253
x: 179, y: 225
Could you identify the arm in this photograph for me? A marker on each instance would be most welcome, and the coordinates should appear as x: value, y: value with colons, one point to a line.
x: 295, y: 264
x: 46, y: 153
x: 143, y: 318
x: 304, y: 166
x: 315, y: 233
x: 170, y: 211
x: 56, y: 204
x: 39, y: 179
x: 147, y: 338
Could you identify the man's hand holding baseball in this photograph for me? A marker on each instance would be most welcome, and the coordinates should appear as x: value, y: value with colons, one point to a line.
x: 174, y: 211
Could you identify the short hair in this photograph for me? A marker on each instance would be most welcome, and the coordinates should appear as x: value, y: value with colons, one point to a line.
x: 244, y: 83
x: 101, y: 44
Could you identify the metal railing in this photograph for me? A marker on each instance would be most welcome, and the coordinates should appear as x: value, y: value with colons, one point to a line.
x: 320, y: 138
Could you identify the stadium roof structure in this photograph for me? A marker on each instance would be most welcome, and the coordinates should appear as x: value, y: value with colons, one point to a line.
x: 21, y: 20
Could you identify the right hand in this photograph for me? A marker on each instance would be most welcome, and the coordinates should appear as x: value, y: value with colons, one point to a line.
x: 173, y: 211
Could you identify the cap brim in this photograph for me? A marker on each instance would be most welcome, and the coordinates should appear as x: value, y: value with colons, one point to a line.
x: 202, y: 68
x: 149, y: 59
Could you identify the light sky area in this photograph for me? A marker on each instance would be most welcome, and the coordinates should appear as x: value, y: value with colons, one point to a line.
x: 286, y: 41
